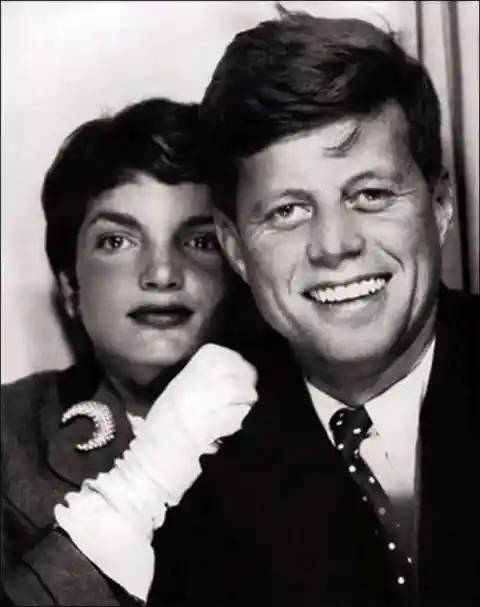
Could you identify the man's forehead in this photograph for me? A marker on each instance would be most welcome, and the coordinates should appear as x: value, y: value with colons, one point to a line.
x: 386, y: 125
x: 337, y: 137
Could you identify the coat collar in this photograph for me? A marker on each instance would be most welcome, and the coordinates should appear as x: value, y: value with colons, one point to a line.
x: 71, y: 465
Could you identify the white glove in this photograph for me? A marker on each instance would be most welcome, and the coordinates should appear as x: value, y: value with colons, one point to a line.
x: 207, y: 400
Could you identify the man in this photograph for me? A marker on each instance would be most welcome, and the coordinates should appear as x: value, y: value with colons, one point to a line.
x: 352, y: 483
x: 351, y: 480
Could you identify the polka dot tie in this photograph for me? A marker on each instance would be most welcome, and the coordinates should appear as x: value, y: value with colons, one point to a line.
x: 349, y: 428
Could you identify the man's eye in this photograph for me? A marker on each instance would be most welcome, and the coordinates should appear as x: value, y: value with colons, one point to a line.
x: 372, y: 199
x: 289, y: 215
x: 114, y: 242
x: 204, y: 242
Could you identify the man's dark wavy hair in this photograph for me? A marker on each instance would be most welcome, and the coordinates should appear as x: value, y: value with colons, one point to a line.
x: 156, y: 137
x: 299, y: 72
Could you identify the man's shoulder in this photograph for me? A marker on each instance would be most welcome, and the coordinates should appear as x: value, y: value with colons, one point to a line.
x: 461, y: 310
x: 461, y: 299
x: 458, y: 342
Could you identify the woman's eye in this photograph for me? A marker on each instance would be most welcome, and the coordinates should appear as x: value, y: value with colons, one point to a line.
x: 373, y: 199
x: 114, y: 242
x: 289, y: 215
x: 204, y: 242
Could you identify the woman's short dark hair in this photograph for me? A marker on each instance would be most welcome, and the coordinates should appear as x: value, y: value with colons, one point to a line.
x: 299, y: 72
x: 155, y: 137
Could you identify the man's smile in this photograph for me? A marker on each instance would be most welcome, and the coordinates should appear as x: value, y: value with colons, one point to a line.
x: 347, y: 291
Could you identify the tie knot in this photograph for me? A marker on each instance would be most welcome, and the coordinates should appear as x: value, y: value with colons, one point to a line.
x: 349, y: 427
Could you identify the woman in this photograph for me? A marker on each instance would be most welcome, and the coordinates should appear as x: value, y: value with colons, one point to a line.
x: 131, y: 242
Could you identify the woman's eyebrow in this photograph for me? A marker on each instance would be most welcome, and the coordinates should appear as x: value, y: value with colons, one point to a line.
x: 124, y: 219
x: 129, y: 221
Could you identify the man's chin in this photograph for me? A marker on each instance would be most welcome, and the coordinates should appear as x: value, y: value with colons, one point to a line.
x: 347, y: 353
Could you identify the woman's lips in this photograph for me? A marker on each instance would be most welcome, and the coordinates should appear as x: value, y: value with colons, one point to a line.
x: 161, y: 317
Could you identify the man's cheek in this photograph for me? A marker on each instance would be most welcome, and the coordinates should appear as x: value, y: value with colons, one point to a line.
x: 269, y: 285
x: 259, y: 271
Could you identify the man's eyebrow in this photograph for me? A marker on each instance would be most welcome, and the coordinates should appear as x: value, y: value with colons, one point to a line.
x: 379, y: 173
x: 123, y: 219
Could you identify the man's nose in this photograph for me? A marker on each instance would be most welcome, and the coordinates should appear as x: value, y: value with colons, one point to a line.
x: 161, y: 270
x: 334, y: 237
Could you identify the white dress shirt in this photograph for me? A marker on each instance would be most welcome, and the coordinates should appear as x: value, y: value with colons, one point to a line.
x: 390, y: 447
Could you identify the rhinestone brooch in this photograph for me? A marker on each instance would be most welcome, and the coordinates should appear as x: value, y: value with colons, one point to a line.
x: 102, y: 419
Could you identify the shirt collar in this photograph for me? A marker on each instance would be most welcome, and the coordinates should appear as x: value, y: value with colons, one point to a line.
x: 393, y: 412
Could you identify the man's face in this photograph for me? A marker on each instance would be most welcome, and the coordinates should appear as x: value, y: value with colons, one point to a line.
x: 150, y: 275
x: 339, y: 237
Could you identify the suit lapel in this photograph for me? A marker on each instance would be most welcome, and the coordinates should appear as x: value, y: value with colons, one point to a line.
x: 64, y: 459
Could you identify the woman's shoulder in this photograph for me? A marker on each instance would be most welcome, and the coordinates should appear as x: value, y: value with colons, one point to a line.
x: 31, y: 382
x: 64, y: 384
x: 25, y: 391
x: 21, y: 402
x: 43, y: 395
x: 24, y: 398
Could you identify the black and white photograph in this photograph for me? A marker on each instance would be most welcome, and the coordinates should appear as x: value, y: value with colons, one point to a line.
x: 240, y: 303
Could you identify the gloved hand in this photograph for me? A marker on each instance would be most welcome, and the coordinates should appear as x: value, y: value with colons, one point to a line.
x: 207, y: 400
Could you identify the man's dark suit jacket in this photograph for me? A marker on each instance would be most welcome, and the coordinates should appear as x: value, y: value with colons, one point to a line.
x: 274, y: 519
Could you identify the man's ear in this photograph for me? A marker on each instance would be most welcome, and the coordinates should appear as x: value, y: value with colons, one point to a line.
x: 443, y: 205
x: 69, y: 295
x: 231, y: 243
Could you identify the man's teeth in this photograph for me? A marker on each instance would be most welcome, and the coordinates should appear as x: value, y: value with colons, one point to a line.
x: 347, y: 292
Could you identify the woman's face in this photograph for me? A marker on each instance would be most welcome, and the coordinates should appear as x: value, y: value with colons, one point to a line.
x: 150, y: 275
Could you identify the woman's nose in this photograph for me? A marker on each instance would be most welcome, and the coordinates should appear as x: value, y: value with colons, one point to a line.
x: 161, y: 271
